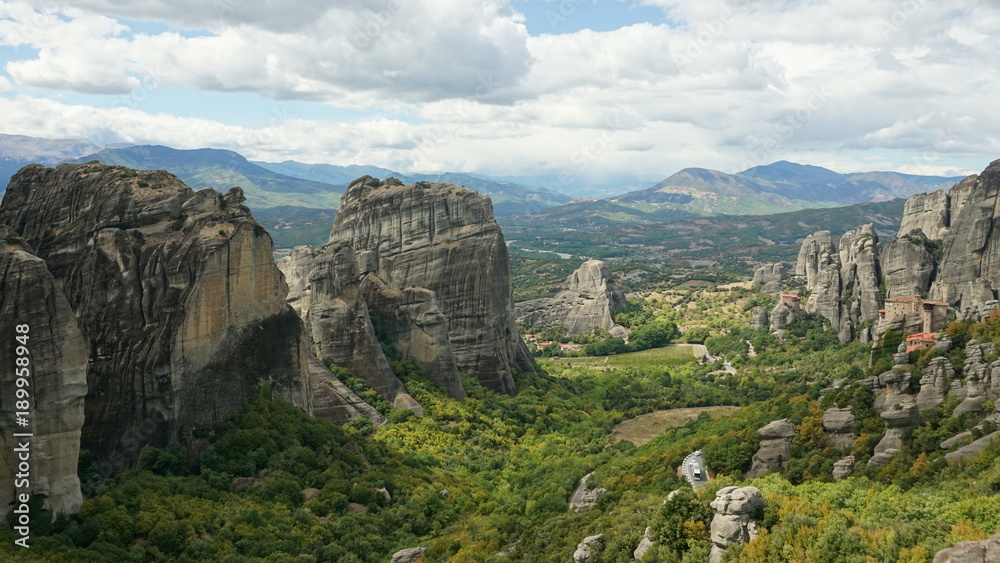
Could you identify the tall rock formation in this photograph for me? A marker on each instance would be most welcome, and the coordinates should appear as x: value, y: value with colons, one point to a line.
x: 842, y: 279
x: 588, y: 300
x: 775, y: 447
x: 176, y: 293
x: 907, y: 266
x: 769, y: 277
x: 898, y: 421
x: 839, y: 426
x: 39, y: 325
x: 423, y: 266
x: 734, y: 520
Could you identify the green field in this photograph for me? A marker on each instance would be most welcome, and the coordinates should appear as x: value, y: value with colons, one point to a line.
x: 671, y: 355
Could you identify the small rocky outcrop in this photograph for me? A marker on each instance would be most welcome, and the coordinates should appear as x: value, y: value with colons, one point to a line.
x: 844, y: 468
x: 934, y: 384
x: 588, y: 300
x: 775, y: 447
x: 974, y: 448
x: 985, y: 551
x: 410, y: 555
x: 176, y: 292
x: 590, y: 498
x: 644, y: 544
x: 588, y: 548
x: 31, y: 301
x: 734, y: 522
x: 782, y: 314
x: 758, y: 318
x: 769, y: 274
x: 839, y: 426
x: 897, y: 422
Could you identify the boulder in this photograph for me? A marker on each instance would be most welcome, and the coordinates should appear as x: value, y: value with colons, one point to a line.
x: 410, y: 555
x: 781, y: 315
x: 175, y: 291
x: 985, y: 551
x: 588, y: 299
x: 588, y: 548
x: 590, y: 498
x: 839, y: 426
x: 844, y: 468
x: 37, y: 316
x: 644, y: 544
x: 733, y: 522
x: 775, y: 447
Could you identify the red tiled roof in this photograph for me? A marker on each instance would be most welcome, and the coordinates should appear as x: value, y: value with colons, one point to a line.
x: 921, y: 337
x: 790, y: 295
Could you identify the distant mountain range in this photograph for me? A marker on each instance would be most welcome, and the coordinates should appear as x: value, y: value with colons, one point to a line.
x: 775, y: 188
x: 17, y: 151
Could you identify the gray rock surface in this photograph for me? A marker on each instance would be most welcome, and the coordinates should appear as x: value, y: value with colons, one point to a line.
x: 644, y: 545
x: 588, y: 548
x: 975, y: 448
x: 985, y: 551
x: 436, y: 252
x: 907, y: 266
x: 839, y: 426
x: 590, y: 498
x: 934, y: 384
x: 57, y: 377
x: 844, y: 468
x: 775, y: 447
x: 410, y: 555
x: 759, y: 320
x: 781, y: 315
x: 733, y: 521
x: 769, y: 273
x: 977, y: 386
x: 928, y: 213
x: 588, y: 299
x: 176, y: 292
x: 897, y: 422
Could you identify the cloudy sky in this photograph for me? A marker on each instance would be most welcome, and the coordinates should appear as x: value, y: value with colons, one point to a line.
x: 579, y: 90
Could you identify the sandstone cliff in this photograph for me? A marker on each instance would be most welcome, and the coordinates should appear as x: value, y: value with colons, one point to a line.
x: 588, y: 300
x: 423, y: 266
x: 734, y: 522
x: 56, y: 354
x: 176, y: 292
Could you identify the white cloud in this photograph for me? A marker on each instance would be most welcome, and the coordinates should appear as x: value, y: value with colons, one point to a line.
x: 848, y: 83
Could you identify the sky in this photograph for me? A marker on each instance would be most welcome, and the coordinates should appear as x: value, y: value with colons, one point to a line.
x: 576, y: 91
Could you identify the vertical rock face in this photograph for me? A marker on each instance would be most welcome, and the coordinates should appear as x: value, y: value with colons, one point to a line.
x: 734, y: 518
x: 907, y: 266
x: 928, y: 213
x: 769, y: 273
x: 425, y: 266
x: 588, y: 300
x: 176, y: 292
x: 56, y: 374
x: 844, y: 283
x: 934, y: 384
x: 775, y: 447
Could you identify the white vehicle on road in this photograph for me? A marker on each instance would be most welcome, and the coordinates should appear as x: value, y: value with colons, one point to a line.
x: 695, y: 469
